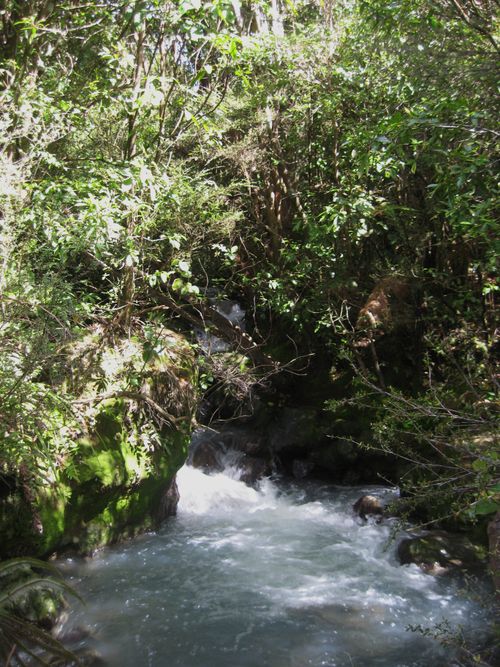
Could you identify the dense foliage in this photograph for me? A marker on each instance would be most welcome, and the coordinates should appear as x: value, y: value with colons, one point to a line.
x: 27, y: 598
x: 294, y: 154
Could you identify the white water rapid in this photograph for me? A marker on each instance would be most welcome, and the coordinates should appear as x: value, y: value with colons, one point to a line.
x: 282, y: 576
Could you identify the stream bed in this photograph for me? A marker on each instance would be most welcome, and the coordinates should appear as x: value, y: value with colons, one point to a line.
x: 282, y: 576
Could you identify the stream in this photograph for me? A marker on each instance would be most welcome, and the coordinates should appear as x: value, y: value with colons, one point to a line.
x: 281, y: 576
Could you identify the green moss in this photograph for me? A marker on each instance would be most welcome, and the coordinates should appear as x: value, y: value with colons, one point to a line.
x: 112, y: 483
x: 447, y: 549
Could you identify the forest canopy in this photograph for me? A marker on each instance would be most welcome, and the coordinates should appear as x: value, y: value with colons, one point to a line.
x: 307, y: 157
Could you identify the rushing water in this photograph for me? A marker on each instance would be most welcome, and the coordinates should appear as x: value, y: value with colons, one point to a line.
x: 275, y: 577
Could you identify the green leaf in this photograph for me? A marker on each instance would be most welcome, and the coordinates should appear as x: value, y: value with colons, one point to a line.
x: 184, y: 267
x: 486, y: 506
x: 189, y: 5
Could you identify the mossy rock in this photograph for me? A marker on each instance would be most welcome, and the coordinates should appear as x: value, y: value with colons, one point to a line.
x: 123, y: 454
x: 451, y: 552
x: 38, y: 603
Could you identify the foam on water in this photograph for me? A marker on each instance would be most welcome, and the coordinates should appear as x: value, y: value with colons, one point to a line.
x: 277, y: 576
x: 215, y: 494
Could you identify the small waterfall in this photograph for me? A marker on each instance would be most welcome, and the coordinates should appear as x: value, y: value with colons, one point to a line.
x: 233, y: 312
x: 215, y: 495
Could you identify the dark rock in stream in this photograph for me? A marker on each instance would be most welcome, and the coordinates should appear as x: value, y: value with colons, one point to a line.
x: 169, y: 502
x: 294, y: 430
x: 74, y: 635
x: 76, y: 639
x: 368, y: 505
x: 439, y: 552
x: 108, y: 490
x: 212, y: 451
x: 253, y: 469
x: 299, y: 441
x: 244, y: 439
x: 90, y: 658
x: 207, y: 456
x: 301, y: 468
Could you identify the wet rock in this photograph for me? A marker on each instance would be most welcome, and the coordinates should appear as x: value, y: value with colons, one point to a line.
x: 368, y: 506
x: 90, y: 658
x: 294, y: 430
x: 301, y: 468
x: 346, y: 462
x: 212, y: 451
x: 74, y: 635
x: 435, y: 569
x: 207, y: 456
x: 439, y: 552
x: 243, y: 439
x: 107, y: 489
x: 32, y: 601
x: 169, y: 501
x: 253, y: 469
x: 351, y: 478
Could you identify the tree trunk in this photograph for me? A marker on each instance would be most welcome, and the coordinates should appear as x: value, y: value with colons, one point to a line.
x: 130, y: 152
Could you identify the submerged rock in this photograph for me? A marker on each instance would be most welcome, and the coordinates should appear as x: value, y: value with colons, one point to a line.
x: 439, y: 552
x: 347, y: 615
x: 368, y: 505
x: 90, y: 658
x: 74, y: 635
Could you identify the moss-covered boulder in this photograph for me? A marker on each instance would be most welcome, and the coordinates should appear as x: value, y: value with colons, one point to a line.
x: 108, y: 472
x: 439, y: 552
